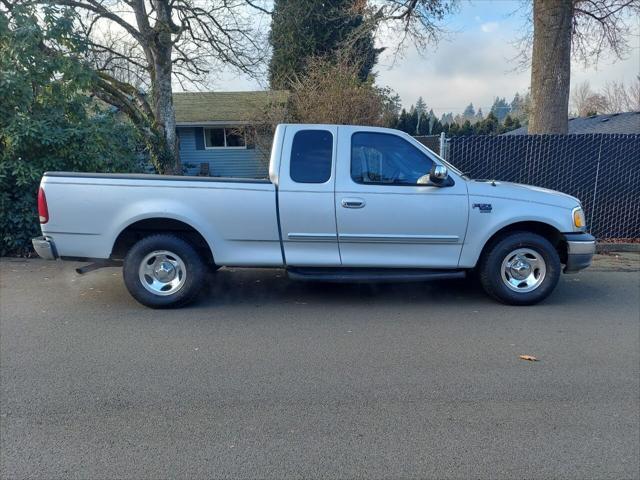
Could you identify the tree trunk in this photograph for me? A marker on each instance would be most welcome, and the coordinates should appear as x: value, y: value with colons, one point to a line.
x: 551, y: 66
x: 159, y: 51
x: 165, y: 116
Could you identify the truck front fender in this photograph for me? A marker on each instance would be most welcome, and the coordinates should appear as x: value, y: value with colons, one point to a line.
x: 486, y: 222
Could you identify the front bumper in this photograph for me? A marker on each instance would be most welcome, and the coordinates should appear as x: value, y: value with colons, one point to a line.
x: 45, y: 248
x: 580, y: 250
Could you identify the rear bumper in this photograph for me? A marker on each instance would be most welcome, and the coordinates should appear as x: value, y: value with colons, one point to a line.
x: 580, y: 250
x: 45, y: 248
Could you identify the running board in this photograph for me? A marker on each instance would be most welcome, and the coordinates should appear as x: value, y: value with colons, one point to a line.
x: 340, y: 274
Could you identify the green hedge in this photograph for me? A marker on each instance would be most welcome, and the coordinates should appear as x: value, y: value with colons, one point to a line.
x: 47, y: 121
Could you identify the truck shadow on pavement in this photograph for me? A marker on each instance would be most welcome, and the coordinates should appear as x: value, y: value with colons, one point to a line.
x: 243, y: 287
x: 265, y: 286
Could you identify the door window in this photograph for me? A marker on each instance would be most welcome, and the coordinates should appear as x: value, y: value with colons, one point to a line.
x: 311, y: 155
x: 386, y: 159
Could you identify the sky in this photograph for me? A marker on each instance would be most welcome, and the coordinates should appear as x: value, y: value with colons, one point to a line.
x: 474, y: 63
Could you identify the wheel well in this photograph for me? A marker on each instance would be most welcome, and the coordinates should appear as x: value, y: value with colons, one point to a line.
x: 543, y: 229
x: 150, y: 226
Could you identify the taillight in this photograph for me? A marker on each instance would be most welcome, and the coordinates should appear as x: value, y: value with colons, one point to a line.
x: 43, y: 210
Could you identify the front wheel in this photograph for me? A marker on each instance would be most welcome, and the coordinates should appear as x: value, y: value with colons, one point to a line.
x: 162, y: 271
x: 520, y: 269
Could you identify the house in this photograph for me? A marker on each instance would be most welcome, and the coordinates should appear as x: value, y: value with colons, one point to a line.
x: 627, y: 122
x: 215, y: 132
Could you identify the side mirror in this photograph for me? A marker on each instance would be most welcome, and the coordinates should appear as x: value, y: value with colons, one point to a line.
x: 437, y: 177
x: 438, y: 174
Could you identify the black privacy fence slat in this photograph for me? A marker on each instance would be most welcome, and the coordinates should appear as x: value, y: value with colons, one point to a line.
x: 602, y: 170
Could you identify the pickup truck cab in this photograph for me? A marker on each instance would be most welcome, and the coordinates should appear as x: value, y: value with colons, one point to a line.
x: 342, y: 203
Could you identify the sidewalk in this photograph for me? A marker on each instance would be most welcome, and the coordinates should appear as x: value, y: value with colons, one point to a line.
x: 616, y: 262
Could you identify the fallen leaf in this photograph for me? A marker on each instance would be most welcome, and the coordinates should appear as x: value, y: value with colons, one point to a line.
x: 530, y: 358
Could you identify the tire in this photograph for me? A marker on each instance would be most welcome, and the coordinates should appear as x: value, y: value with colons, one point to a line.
x: 163, y: 271
x: 522, y: 268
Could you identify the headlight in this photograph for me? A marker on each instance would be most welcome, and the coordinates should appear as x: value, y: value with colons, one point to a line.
x: 578, y: 218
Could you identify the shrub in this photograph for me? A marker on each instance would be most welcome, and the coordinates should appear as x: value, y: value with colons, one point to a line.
x: 329, y: 91
x: 47, y: 122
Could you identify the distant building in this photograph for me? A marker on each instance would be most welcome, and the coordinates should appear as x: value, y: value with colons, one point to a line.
x: 215, y: 134
x: 627, y: 122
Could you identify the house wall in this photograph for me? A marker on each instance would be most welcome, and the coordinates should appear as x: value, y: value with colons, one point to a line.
x: 244, y: 163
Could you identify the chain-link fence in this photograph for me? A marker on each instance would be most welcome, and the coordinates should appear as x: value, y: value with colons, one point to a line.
x: 432, y: 142
x: 602, y: 170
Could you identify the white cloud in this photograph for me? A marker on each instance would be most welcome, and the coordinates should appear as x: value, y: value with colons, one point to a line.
x: 452, y: 74
x: 489, y: 27
x: 471, y: 67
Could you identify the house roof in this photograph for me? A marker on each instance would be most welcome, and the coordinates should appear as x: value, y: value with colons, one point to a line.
x: 627, y: 122
x: 223, y: 107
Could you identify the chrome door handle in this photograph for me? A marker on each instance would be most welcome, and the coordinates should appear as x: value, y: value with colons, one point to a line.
x: 353, y: 203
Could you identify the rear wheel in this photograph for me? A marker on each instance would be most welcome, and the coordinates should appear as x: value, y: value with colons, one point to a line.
x: 520, y: 269
x: 162, y: 271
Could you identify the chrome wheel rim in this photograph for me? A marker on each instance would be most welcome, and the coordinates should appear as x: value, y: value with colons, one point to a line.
x: 523, y: 270
x: 162, y: 272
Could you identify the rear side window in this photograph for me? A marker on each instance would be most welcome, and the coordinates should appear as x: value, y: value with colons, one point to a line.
x: 311, y: 155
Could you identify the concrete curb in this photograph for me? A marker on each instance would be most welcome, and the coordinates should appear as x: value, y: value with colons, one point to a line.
x: 617, y: 247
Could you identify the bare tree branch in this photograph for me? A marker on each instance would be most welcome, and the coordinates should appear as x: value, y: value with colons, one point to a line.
x: 134, y: 44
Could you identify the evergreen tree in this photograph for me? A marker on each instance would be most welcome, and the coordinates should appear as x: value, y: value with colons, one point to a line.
x: 404, y: 121
x: 436, y: 127
x: 466, y: 128
x: 489, y: 126
x: 424, y: 124
x: 421, y: 106
x: 500, y: 109
x: 510, y: 124
x: 447, y: 118
x: 392, y: 108
x: 301, y: 29
x: 413, y: 121
x: 520, y: 107
x: 469, y: 112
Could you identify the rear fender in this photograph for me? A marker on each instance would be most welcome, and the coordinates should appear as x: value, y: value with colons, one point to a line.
x: 145, y: 210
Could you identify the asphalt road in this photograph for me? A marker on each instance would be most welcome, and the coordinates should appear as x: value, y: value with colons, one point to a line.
x: 269, y: 378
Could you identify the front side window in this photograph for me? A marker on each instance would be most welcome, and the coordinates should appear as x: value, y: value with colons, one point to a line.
x: 224, y: 137
x: 386, y: 159
x: 311, y: 155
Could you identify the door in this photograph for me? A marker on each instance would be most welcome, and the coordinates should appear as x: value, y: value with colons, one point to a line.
x: 385, y: 217
x: 306, y: 196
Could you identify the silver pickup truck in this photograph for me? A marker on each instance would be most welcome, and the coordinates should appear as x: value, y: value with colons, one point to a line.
x: 342, y: 203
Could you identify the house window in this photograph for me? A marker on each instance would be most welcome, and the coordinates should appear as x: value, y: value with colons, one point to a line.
x: 224, y: 137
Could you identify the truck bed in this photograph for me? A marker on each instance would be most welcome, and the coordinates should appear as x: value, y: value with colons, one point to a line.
x: 237, y: 217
